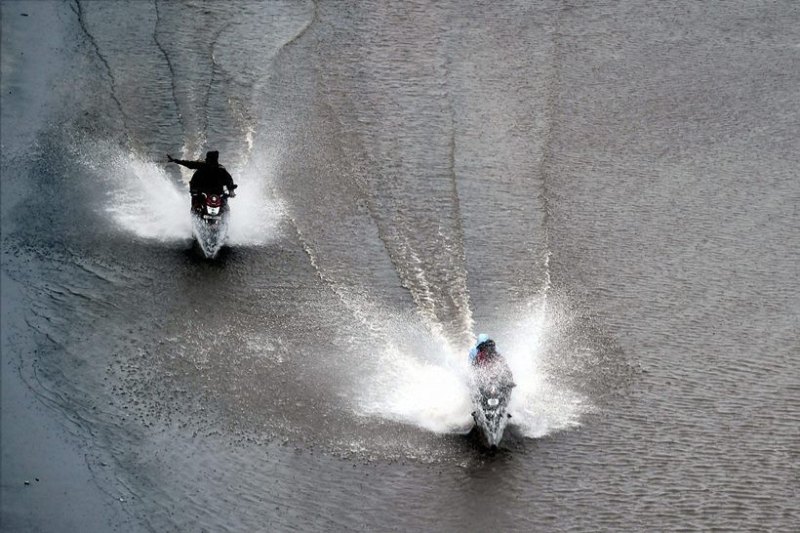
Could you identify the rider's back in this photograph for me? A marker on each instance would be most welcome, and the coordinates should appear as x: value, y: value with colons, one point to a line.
x: 210, y: 179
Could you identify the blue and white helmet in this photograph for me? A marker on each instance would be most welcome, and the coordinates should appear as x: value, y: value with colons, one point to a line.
x: 473, y: 353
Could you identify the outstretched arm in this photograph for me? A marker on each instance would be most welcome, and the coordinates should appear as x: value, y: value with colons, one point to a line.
x: 228, y: 180
x: 188, y: 164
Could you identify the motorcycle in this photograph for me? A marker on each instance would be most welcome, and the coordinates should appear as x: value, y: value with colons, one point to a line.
x: 210, y: 213
x: 492, y: 394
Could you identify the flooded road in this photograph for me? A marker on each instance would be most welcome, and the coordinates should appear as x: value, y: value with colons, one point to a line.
x: 609, y: 190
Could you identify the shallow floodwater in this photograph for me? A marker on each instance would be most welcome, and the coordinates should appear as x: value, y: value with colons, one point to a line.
x: 609, y: 189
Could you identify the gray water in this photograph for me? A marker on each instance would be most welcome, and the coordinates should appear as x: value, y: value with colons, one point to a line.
x: 609, y: 189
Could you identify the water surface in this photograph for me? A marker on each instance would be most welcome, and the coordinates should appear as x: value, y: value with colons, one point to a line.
x: 608, y: 189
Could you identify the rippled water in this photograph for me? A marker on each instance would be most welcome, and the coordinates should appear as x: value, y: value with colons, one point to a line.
x: 609, y: 189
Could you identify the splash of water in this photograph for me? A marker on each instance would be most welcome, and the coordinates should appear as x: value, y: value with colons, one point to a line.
x: 426, y: 387
x: 429, y: 384
x: 255, y: 212
x: 144, y: 200
x: 537, y: 405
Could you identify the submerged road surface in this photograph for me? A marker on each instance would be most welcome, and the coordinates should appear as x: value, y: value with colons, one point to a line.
x: 608, y: 189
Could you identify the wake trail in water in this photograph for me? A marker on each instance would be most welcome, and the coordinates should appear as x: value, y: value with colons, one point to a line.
x: 172, y: 76
x: 78, y: 10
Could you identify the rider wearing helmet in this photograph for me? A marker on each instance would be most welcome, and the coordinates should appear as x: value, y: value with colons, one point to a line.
x: 484, y: 355
x: 473, y: 353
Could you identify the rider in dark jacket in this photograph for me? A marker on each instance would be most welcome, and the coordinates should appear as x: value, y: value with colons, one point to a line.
x: 210, y: 177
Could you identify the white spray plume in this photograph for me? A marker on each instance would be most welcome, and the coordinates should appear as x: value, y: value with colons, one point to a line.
x: 428, y: 384
x: 144, y: 200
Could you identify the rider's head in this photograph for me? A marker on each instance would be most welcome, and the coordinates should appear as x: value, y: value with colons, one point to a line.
x: 483, y: 337
x: 487, y: 346
x: 212, y: 157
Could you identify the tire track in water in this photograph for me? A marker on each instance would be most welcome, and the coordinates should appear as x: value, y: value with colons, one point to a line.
x: 302, y: 238
x: 214, y: 68
x: 237, y: 109
x: 464, y: 304
x: 446, y: 311
x: 545, y: 168
x: 362, y: 311
x: 171, y: 68
x: 254, y: 85
x: 365, y: 311
x: 109, y: 72
x: 304, y: 29
x: 362, y: 188
x: 554, y: 89
x: 610, y: 369
x: 399, y: 251
x: 437, y: 288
